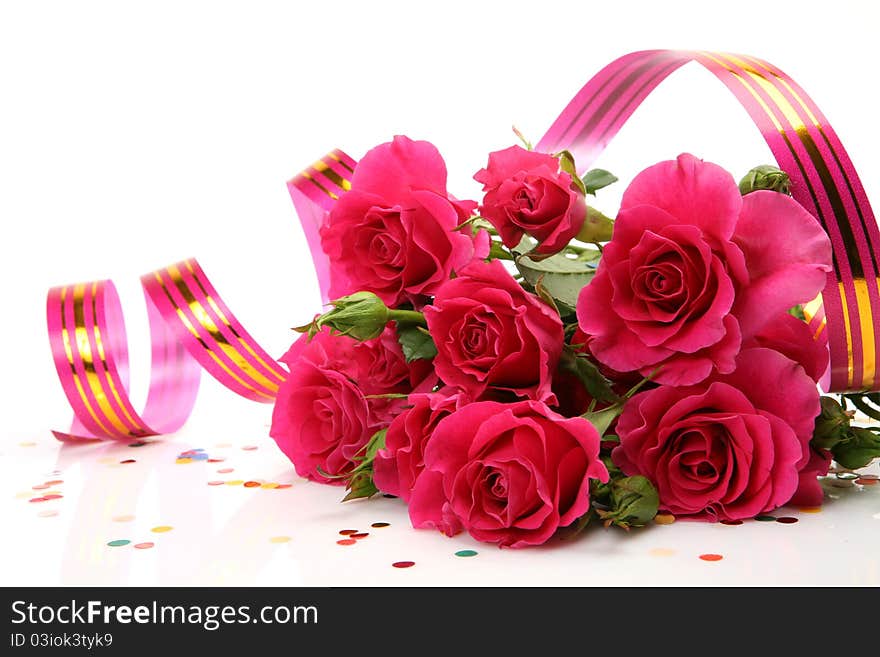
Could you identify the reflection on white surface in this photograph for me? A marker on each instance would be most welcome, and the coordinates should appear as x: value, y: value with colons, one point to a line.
x: 221, y: 535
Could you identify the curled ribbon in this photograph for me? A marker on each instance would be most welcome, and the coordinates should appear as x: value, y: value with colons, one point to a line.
x: 192, y: 329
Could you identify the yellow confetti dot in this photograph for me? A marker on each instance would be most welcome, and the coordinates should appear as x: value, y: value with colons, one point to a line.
x: 664, y: 518
x: 269, y: 484
x: 52, y: 492
x: 24, y: 493
x: 184, y: 460
x: 107, y: 460
x: 280, y: 539
x: 810, y: 509
x: 661, y: 552
x: 27, y: 443
x: 161, y: 529
x: 123, y: 518
x: 235, y: 482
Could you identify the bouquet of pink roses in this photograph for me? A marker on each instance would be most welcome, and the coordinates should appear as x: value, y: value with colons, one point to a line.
x: 520, y: 367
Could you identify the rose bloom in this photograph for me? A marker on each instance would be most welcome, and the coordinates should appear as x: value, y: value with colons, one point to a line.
x: 397, y: 467
x: 393, y: 232
x: 492, y: 336
x: 694, y: 269
x: 322, y: 417
x: 729, y: 448
x: 526, y: 193
x: 510, y: 474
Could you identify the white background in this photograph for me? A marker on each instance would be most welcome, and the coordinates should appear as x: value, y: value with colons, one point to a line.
x: 136, y: 134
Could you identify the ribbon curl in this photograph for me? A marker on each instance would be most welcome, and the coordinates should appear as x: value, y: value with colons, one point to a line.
x: 193, y: 329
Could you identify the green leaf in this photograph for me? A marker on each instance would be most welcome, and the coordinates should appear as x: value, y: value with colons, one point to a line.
x: 361, y: 485
x: 566, y: 163
x: 633, y: 502
x: 596, y: 179
x: 416, y: 344
x: 562, y: 277
x: 597, y: 386
x: 497, y: 251
x: 862, y: 447
x: 602, y: 419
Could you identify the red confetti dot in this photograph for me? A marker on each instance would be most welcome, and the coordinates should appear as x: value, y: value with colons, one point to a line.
x: 218, y: 460
x: 346, y: 541
x: 216, y: 483
x: 249, y: 448
x: 53, y: 496
x: 280, y: 486
x: 404, y: 564
x: 40, y: 487
x: 865, y: 481
x: 347, y: 532
x: 128, y: 461
x: 38, y: 499
x: 711, y: 557
x: 787, y: 520
x: 225, y: 470
x: 54, y: 482
x: 731, y: 522
x: 144, y: 546
x: 360, y: 535
x: 251, y: 484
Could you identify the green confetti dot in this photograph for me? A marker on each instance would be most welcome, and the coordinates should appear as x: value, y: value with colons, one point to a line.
x: 119, y: 543
x: 466, y: 553
x: 765, y: 518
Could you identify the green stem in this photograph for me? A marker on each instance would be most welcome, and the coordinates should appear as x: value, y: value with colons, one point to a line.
x: 407, y: 317
x: 497, y: 250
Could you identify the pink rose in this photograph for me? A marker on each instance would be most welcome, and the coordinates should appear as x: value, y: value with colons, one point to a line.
x: 527, y: 193
x: 322, y: 417
x: 809, y: 491
x: 393, y: 233
x: 729, y: 448
x: 492, y: 336
x: 694, y: 269
x: 510, y: 474
x: 397, y: 467
x: 793, y: 338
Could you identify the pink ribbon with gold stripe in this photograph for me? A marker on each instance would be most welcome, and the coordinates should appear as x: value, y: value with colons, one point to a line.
x: 192, y: 329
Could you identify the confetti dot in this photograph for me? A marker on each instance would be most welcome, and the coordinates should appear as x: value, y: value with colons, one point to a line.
x: 123, y: 518
x: 787, y: 520
x: 280, y: 486
x: 389, y: 496
x: 249, y: 448
x: 810, y: 509
x: 346, y: 541
x: 731, y: 522
x: 847, y: 476
x: 48, y: 513
x: 53, y: 496
x: 664, y: 518
x: 22, y: 494
x: 466, y: 553
x: 404, y: 564
x: 765, y: 518
x: 216, y: 483
x: 360, y: 535
x: 216, y: 459
x: 347, y: 532
x: 55, y: 482
x: 161, y: 529
x: 128, y: 461
x: 280, y: 539
x: 866, y: 482
x: 252, y: 484
x: 870, y: 476
x: 37, y: 499
x: 711, y: 557
x: 184, y: 460
x: 144, y: 546
x: 40, y: 487
x: 139, y: 443
x: 269, y: 484
x: 225, y: 470
x: 119, y: 542
x: 661, y: 552
x: 27, y: 443
x: 379, y: 525
x: 235, y: 482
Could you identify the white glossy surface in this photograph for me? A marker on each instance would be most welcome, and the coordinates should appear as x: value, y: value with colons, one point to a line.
x: 222, y: 534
